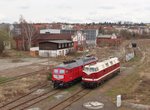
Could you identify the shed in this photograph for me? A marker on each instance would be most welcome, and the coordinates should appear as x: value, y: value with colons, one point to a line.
x: 55, y: 48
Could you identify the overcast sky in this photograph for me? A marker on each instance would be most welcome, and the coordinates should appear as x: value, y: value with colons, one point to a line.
x: 75, y: 11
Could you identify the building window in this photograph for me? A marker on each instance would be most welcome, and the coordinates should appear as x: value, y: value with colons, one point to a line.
x: 59, y: 45
x: 62, y: 45
x: 65, y: 45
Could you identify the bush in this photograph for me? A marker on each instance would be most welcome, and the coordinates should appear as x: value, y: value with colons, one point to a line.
x: 1, y: 47
x: 49, y: 76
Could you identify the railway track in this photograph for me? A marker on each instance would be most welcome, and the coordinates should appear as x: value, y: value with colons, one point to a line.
x: 70, y: 100
x: 32, y: 90
x: 28, y: 100
x: 21, y: 76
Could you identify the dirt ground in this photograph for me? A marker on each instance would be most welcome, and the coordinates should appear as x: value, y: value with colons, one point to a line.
x: 20, y: 87
x: 7, y: 63
x: 10, y: 69
x: 135, y: 87
x: 141, y: 91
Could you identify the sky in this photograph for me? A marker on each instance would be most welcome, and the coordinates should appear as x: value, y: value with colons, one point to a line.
x: 75, y: 11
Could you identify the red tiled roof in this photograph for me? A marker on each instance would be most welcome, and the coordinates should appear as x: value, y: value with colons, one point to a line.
x: 82, y: 27
x: 54, y: 37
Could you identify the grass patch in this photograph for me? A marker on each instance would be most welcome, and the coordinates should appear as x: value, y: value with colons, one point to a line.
x: 76, y: 54
x: 132, y: 62
x: 16, y: 54
x: 125, y: 86
x: 72, y: 88
x: 3, y: 79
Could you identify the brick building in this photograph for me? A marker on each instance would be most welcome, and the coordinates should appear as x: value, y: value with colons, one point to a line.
x: 108, y: 40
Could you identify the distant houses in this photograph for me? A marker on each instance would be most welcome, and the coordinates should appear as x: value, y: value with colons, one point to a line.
x: 82, y: 35
x: 108, y: 40
x: 79, y: 35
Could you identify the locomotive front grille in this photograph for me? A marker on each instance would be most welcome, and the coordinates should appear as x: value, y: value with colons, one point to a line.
x: 58, y: 77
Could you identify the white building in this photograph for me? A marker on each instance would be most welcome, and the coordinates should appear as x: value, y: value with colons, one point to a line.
x: 79, y: 39
x: 51, y: 31
x: 55, y: 48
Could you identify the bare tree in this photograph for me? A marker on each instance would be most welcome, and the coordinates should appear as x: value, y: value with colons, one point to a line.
x: 4, y: 36
x: 27, y: 32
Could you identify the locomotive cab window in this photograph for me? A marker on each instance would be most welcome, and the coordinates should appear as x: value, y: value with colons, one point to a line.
x: 92, y: 69
x: 61, y: 71
x: 56, y: 71
x: 86, y: 69
x: 96, y: 69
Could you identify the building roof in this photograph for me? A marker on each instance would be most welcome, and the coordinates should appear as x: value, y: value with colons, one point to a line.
x: 54, y: 36
x: 107, y: 36
x: 104, y: 36
x: 58, y: 41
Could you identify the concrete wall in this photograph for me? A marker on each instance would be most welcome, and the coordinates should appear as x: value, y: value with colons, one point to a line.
x: 54, y: 53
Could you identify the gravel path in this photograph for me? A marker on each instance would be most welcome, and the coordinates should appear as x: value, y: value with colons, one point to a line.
x: 8, y: 63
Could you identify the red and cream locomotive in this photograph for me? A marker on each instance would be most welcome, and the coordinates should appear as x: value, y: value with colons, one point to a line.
x: 70, y: 72
x: 95, y: 74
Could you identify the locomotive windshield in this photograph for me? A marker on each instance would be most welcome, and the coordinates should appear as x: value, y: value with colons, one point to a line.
x: 86, y: 69
x: 90, y: 69
x: 56, y: 71
x: 59, y: 71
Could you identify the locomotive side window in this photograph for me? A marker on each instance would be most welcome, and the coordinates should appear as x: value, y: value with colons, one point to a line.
x: 86, y: 68
x: 92, y: 69
x: 56, y: 71
x: 103, y: 66
x: 96, y: 68
x: 107, y: 64
x: 62, y: 71
x: 111, y: 62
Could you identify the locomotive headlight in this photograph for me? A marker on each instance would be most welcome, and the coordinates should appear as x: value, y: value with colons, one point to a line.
x: 58, y: 77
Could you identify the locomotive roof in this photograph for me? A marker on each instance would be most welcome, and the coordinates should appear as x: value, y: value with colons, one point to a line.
x: 102, y: 65
x: 77, y: 62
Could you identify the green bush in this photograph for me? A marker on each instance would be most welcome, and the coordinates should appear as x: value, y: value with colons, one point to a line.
x: 49, y: 76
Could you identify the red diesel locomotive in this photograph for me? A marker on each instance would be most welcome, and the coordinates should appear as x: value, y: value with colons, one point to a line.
x: 70, y: 72
x: 95, y: 74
